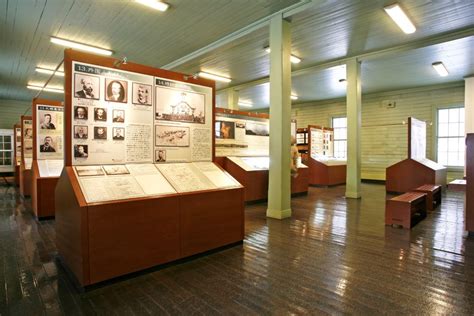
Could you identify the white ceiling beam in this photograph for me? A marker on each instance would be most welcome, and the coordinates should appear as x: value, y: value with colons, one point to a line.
x: 424, y: 42
x: 286, y: 12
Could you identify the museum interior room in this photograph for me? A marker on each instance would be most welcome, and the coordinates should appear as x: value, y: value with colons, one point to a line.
x: 236, y: 157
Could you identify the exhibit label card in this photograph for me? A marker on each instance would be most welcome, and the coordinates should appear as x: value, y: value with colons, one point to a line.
x: 185, y: 177
x: 49, y: 132
x: 112, y: 116
x: 50, y: 168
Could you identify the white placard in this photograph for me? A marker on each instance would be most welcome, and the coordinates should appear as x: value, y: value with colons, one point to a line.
x: 219, y: 178
x: 50, y: 167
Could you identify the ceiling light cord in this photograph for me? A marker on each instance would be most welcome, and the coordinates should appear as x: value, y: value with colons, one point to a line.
x: 49, y: 79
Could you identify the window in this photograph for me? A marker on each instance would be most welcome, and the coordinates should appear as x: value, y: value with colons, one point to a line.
x: 450, y: 141
x: 340, y: 136
x: 6, y: 150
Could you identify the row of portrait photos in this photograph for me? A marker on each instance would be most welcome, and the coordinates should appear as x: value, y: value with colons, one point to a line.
x: 100, y: 114
x: 100, y: 132
x: 88, y: 87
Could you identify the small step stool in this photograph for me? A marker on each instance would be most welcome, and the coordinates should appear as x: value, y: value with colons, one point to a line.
x: 433, y: 195
x: 404, y: 209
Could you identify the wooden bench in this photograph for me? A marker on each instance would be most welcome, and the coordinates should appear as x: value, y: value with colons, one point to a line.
x: 406, y: 209
x: 433, y: 195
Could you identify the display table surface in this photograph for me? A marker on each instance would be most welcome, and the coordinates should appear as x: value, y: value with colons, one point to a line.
x: 409, y: 174
x: 100, y: 240
x: 457, y: 185
x: 252, y: 173
x: 45, y: 176
x: 326, y: 172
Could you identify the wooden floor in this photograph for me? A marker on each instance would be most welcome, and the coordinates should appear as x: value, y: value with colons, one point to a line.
x: 334, y: 256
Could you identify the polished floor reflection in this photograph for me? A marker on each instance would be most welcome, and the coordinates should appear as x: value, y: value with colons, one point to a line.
x: 333, y: 256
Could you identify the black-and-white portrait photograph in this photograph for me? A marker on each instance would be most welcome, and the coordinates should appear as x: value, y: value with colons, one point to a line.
x: 116, y: 90
x: 86, y: 86
x: 118, y: 116
x: 81, y: 132
x: 100, y: 114
x: 47, y: 145
x: 46, y: 121
x: 141, y: 94
x: 118, y: 133
x: 100, y: 132
x: 28, y: 133
x: 160, y: 155
x: 81, y: 151
x: 179, y: 105
x: 80, y: 113
x: 257, y: 128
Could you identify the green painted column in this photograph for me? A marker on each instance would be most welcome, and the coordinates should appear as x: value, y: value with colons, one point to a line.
x: 354, y: 108
x: 232, y: 99
x: 279, y: 187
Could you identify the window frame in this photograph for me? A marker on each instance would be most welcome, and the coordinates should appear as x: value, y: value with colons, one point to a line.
x: 331, y: 123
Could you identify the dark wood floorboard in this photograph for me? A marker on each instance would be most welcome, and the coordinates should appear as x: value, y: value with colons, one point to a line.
x: 334, y: 256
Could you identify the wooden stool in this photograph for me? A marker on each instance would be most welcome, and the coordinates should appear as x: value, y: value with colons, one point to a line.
x: 402, y: 209
x: 433, y: 195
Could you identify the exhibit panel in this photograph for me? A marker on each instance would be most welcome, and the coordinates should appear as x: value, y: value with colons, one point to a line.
x: 26, y: 155
x: 416, y: 170
x: 17, y: 152
x: 139, y: 163
x: 48, y: 155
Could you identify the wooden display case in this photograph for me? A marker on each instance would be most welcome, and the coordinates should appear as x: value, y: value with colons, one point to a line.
x: 98, y: 241
x: 43, y: 188
x: 255, y: 181
x: 469, y: 207
x: 25, y: 177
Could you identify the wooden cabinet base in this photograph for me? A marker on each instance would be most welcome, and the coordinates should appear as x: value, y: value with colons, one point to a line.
x: 17, y: 176
x: 325, y: 175
x: 25, y: 181
x: 101, y: 241
x: 42, y: 194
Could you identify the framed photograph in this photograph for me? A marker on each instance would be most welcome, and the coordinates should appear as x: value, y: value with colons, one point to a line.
x: 180, y: 105
x: 48, y: 120
x: 225, y: 130
x: 47, y: 145
x: 81, y: 132
x: 118, y: 133
x: 100, y: 132
x: 100, y: 114
x: 28, y: 133
x: 171, y: 136
x: 81, y: 113
x: 86, y: 171
x: 257, y: 128
x: 116, y: 90
x: 141, y: 93
x: 86, y: 86
x: 116, y: 169
x: 160, y: 155
x: 81, y: 151
x: 118, y: 116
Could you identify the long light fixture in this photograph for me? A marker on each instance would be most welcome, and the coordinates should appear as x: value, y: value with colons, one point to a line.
x: 399, y: 16
x: 294, y: 97
x: 213, y: 77
x: 440, y: 68
x: 157, y: 5
x: 293, y: 58
x: 245, y: 104
x: 55, y: 90
x: 49, y: 71
x: 79, y: 46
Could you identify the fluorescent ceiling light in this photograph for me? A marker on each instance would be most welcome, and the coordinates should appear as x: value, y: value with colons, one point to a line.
x: 402, y: 20
x: 56, y: 90
x: 157, y: 5
x: 49, y: 71
x: 293, y: 58
x: 294, y: 97
x: 245, y: 104
x: 440, y: 68
x: 213, y: 77
x: 80, y: 46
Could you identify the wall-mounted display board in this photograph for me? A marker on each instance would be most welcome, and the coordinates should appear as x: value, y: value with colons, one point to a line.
x: 469, y: 205
x: 48, y: 155
x: 416, y: 170
x: 324, y: 169
x: 139, y: 144
x: 17, y: 152
x: 26, y: 155
x: 252, y: 173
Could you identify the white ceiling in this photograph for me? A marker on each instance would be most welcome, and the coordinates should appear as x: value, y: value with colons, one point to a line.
x: 323, y: 35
